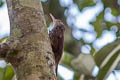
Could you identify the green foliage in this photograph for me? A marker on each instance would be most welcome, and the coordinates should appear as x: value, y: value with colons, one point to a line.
x: 113, y: 5
x: 1, y: 3
x: 99, y: 24
x: 3, y: 39
x: 109, y: 25
x: 92, y: 51
x: 76, y: 76
x: 109, y: 67
x: 115, y: 12
x: 6, y: 73
x: 84, y: 3
x: 66, y: 59
x: 107, y: 59
x: 2, y: 74
x: 9, y: 72
x: 104, y: 52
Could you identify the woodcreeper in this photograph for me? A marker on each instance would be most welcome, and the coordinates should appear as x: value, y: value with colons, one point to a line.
x: 57, y: 39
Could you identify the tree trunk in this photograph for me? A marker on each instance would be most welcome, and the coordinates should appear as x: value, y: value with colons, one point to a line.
x: 30, y: 50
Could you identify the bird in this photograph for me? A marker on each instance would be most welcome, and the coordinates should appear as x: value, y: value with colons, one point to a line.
x: 56, y: 36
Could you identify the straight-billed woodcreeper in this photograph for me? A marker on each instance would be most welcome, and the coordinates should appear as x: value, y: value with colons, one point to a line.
x: 57, y: 39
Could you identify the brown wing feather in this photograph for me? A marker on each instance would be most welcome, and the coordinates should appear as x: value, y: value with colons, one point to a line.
x: 57, y: 41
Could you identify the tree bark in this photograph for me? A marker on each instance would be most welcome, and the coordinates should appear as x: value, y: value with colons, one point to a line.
x: 30, y: 51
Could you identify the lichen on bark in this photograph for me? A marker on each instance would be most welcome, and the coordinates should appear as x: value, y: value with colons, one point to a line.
x: 31, y: 55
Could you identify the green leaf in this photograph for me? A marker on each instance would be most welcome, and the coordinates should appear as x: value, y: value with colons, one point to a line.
x: 105, y: 54
x: 2, y: 73
x: 109, y: 67
x: 84, y: 3
x: 92, y: 51
x: 99, y: 24
x: 9, y: 74
x: 107, y: 59
x: 76, y: 76
x: 115, y: 12
x: 6, y: 73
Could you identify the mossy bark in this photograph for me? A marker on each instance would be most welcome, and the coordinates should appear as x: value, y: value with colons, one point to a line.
x: 31, y: 54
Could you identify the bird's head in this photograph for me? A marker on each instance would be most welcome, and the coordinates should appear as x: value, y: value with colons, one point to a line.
x: 57, y: 23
